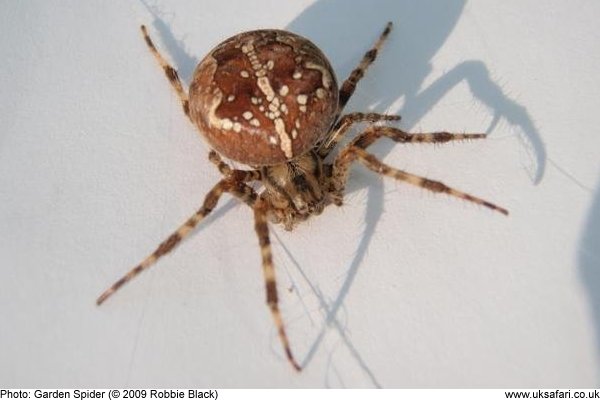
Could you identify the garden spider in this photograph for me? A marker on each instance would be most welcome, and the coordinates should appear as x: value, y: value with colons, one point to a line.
x: 269, y: 99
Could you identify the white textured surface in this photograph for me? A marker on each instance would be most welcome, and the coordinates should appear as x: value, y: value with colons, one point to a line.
x: 399, y: 288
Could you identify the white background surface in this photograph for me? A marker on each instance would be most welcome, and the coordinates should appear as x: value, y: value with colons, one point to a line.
x: 399, y: 288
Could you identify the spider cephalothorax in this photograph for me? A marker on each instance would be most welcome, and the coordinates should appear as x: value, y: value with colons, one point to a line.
x: 269, y: 99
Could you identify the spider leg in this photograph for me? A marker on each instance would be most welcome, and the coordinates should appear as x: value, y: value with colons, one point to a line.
x: 341, y: 168
x: 262, y: 231
x: 374, y: 133
x: 345, y: 122
x: 238, y: 189
x: 170, y: 72
x: 350, y: 83
x: 356, y: 153
x: 221, y: 165
x: 226, y: 170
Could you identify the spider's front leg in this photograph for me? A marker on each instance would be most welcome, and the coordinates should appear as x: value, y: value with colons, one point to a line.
x: 355, y: 151
x: 170, y: 72
x: 237, y: 188
x: 261, y: 209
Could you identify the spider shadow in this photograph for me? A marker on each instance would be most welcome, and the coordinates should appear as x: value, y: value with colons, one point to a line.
x: 330, y: 320
x: 329, y: 23
x: 409, y: 52
x: 589, y: 262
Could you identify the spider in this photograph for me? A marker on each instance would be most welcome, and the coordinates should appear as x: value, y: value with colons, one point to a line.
x: 269, y: 99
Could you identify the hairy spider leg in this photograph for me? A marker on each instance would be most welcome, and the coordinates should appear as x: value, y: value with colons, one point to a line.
x: 237, y: 188
x: 345, y: 123
x: 373, y: 133
x: 350, y: 83
x: 170, y: 72
x: 355, y: 151
x: 262, y: 230
x: 348, y: 87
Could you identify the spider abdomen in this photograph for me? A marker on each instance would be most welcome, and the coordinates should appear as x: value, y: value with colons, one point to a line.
x: 264, y: 97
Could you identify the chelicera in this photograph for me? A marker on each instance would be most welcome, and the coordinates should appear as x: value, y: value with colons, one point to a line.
x: 269, y: 99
